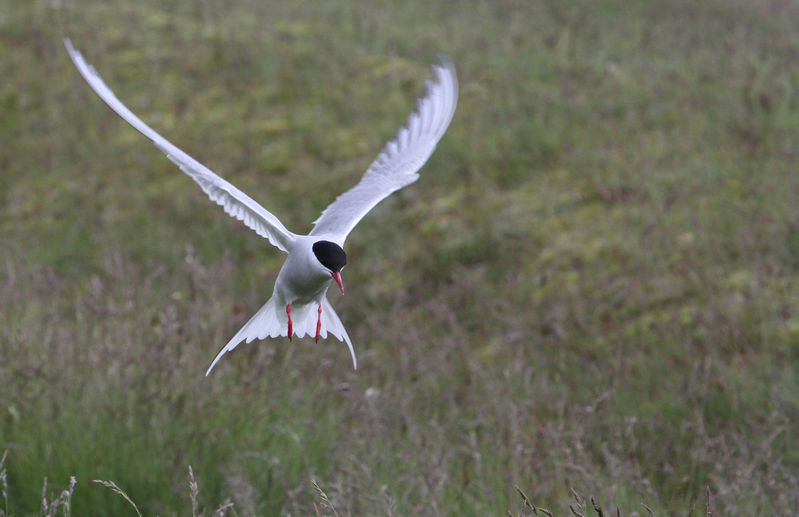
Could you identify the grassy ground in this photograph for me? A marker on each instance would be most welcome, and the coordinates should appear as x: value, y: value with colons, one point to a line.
x: 594, y: 285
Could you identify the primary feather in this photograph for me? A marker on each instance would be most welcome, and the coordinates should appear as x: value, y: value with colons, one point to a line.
x: 233, y: 201
x: 397, y: 164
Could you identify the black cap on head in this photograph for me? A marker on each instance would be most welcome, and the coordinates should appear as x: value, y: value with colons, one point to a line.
x: 330, y: 255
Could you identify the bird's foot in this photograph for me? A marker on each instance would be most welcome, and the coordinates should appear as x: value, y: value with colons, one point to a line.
x: 291, y: 327
x: 318, y: 323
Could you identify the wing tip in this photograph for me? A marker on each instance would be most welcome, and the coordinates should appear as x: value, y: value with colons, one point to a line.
x: 74, y: 54
x: 446, y: 61
x: 447, y: 66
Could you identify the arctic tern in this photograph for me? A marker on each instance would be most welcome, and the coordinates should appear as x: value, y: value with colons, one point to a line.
x: 299, y: 304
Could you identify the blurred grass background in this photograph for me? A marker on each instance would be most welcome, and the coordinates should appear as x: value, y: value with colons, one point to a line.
x: 595, y: 283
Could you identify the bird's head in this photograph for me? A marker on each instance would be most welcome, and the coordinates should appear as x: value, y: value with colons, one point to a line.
x: 332, y: 257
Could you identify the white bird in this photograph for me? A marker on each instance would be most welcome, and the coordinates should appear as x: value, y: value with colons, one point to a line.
x: 299, y: 304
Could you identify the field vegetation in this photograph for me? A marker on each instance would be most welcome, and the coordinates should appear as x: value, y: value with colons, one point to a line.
x: 592, y: 291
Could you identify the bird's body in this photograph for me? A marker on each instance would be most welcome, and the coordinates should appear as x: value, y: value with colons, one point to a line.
x: 300, y: 280
x: 299, y: 304
x: 301, y: 285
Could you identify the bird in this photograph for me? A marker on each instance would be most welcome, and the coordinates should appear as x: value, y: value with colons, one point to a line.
x: 299, y: 305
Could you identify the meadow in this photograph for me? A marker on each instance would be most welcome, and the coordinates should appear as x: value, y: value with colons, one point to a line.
x: 591, y: 292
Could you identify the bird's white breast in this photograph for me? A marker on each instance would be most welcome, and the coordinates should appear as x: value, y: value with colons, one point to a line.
x: 302, y: 279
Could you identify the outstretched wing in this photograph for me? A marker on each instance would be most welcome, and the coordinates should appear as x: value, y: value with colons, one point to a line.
x: 400, y: 159
x: 235, y: 202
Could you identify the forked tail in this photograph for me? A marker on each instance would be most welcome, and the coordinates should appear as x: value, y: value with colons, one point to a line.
x: 272, y: 321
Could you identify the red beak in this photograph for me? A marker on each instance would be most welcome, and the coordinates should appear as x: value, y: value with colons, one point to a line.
x: 337, y: 277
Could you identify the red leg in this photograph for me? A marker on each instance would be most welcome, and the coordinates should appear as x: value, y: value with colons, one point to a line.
x: 319, y: 323
x: 291, y: 327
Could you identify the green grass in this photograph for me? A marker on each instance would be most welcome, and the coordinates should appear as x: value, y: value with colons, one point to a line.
x: 595, y: 283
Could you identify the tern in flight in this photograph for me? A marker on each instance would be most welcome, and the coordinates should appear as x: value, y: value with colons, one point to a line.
x: 299, y: 304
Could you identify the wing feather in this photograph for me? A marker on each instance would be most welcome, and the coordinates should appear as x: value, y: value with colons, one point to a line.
x: 235, y: 202
x: 398, y: 163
